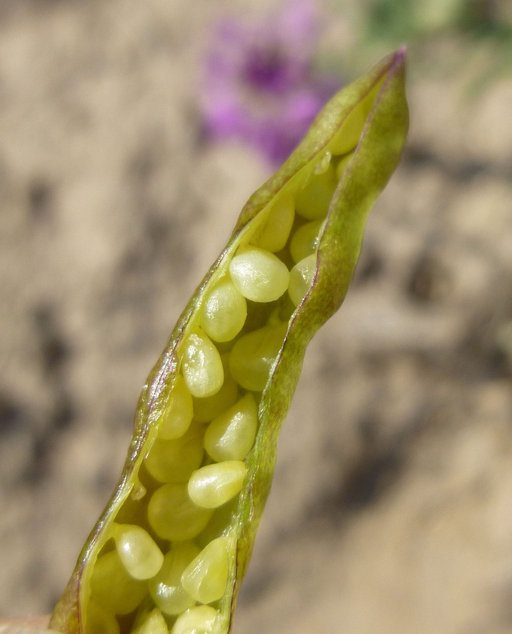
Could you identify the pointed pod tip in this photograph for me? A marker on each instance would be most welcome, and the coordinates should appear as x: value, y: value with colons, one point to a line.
x: 399, y: 56
x: 394, y: 63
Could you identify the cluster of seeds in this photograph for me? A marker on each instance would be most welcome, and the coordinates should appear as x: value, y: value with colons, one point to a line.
x: 170, y: 553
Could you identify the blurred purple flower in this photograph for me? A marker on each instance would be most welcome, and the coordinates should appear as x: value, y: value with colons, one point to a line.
x: 261, y: 86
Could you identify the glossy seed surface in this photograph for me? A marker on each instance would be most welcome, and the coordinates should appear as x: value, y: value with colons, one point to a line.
x: 178, y: 412
x: 174, y: 460
x: 253, y: 354
x: 166, y: 589
x: 215, y: 484
x: 173, y: 515
x: 201, y: 366
x: 137, y: 551
x: 301, y: 278
x: 206, y: 576
x: 259, y: 275
x: 224, y: 312
x: 199, y: 620
x: 230, y: 436
x: 274, y: 233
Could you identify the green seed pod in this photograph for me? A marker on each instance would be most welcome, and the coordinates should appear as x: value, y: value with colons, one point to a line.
x: 214, y: 485
x: 206, y: 576
x: 333, y: 177
x: 259, y: 275
x: 231, y: 435
x: 166, y: 589
x: 200, y: 620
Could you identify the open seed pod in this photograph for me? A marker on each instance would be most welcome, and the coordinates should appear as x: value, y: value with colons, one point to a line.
x: 172, y: 546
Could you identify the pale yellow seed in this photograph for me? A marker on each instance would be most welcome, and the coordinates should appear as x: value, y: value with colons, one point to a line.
x: 201, y: 365
x: 231, y: 435
x: 224, y: 312
x: 137, y: 551
x: 174, y: 460
x: 253, y: 354
x: 205, y: 409
x: 313, y: 201
x: 178, y: 412
x: 348, y: 136
x: 113, y: 587
x: 199, y: 620
x: 259, y: 275
x: 151, y: 623
x: 98, y: 621
x: 323, y: 164
x: 173, y: 515
x: 166, y: 589
x: 342, y: 165
x: 305, y: 240
x: 206, y: 577
x: 213, y: 485
x: 274, y: 233
x: 301, y: 278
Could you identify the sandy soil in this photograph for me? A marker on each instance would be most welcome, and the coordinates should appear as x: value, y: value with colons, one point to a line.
x: 390, y: 510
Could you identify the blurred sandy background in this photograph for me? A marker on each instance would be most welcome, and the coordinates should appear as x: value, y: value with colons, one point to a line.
x: 391, y: 507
